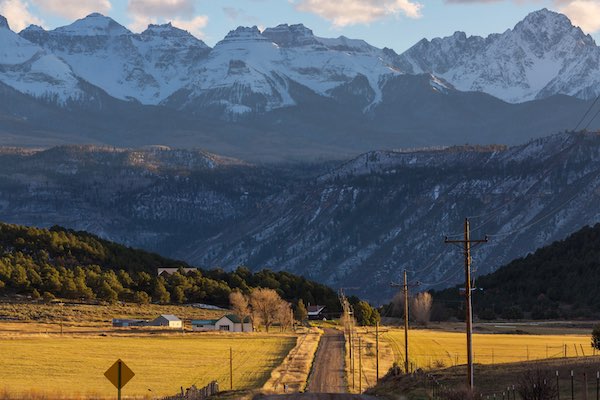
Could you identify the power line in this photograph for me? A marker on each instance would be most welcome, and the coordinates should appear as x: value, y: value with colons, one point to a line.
x: 552, y: 212
x: 586, y: 113
x: 592, y: 120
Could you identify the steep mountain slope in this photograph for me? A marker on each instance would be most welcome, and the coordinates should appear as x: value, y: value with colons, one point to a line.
x: 356, y: 224
x: 558, y: 280
x: 543, y: 55
x: 33, y: 71
x: 253, y: 71
x: 146, y: 67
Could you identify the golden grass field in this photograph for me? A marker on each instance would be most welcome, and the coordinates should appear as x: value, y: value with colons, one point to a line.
x: 75, y: 365
x: 435, y: 348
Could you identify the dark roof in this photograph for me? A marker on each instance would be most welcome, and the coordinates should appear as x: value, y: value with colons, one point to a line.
x: 236, y: 320
x: 315, y: 309
x: 204, y: 321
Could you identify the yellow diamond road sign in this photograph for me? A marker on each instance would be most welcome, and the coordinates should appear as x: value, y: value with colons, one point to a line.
x: 119, y: 368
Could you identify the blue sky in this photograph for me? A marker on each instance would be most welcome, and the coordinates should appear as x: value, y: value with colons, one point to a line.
x: 393, y: 23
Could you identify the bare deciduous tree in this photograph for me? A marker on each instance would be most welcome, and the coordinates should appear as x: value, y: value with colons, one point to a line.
x: 284, y: 315
x: 537, y: 384
x: 398, y: 305
x: 240, y: 306
x: 421, y: 307
x: 266, y: 306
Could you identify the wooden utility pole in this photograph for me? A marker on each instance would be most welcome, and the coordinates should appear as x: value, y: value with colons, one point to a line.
x: 405, y: 287
x: 359, y: 367
x: 231, y: 366
x: 466, y: 242
x: 377, y: 352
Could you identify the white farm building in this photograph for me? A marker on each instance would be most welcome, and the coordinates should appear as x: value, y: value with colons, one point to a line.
x: 168, y: 320
x: 227, y: 323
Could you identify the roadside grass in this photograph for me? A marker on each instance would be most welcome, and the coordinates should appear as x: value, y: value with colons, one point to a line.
x: 434, y: 349
x: 292, y: 374
x: 368, y: 359
x: 491, y: 381
x: 73, y: 366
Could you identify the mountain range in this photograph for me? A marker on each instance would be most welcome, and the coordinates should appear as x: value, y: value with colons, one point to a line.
x: 271, y: 95
x: 358, y: 223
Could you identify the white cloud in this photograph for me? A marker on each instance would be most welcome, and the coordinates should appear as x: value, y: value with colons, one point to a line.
x: 161, y: 8
x: 73, y: 8
x: 179, y: 12
x: 351, y: 12
x: 583, y: 13
x: 18, y: 15
x: 193, y: 26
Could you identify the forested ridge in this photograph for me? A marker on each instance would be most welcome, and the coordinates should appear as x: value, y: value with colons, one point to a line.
x: 557, y: 281
x: 69, y: 264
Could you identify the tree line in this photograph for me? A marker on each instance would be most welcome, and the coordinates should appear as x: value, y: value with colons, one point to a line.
x: 57, y: 262
x: 556, y: 281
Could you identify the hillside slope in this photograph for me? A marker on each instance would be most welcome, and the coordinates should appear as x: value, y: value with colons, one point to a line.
x: 79, y: 265
x: 353, y: 224
x: 558, y: 280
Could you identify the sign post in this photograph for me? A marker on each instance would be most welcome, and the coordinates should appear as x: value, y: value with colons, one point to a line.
x: 119, y: 374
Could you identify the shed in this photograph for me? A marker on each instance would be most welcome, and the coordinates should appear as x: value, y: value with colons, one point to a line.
x: 204, y: 324
x: 124, y: 323
x: 232, y: 323
x: 168, y: 320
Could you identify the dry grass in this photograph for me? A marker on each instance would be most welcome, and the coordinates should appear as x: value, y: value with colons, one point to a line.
x: 430, y: 349
x: 30, y: 318
x: 368, y: 375
x: 75, y: 365
x: 293, y: 371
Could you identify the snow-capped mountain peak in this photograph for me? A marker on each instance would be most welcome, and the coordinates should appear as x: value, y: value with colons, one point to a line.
x: 94, y: 24
x: 243, y: 34
x: 3, y: 23
x: 544, y: 54
x: 285, y: 35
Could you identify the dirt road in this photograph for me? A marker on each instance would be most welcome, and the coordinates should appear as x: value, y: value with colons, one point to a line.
x: 328, y: 367
x: 326, y: 381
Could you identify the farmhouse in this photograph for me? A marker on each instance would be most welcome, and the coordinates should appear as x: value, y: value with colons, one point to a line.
x: 168, y: 320
x: 229, y: 323
x: 316, y: 312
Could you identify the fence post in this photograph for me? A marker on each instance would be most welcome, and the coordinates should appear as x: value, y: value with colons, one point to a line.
x: 557, y: 386
x: 572, y: 387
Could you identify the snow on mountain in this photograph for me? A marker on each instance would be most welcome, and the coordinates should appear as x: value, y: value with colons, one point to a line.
x: 31, y: 70
x: 254, y: 71
x: 285, y: 65
x: 145, y: 67
x: 543, y: 55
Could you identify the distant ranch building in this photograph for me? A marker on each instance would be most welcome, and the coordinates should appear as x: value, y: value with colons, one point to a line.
x: 167, y: 320
x: 125, y: 323
x: 316, y: 312
x: 228, y: 323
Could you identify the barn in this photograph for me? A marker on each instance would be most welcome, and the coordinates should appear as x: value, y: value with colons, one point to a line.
x: 167, y: 320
